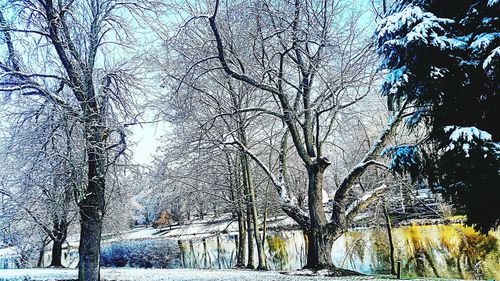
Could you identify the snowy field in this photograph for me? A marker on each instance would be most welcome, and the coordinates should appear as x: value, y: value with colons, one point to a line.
x: 130, y: 274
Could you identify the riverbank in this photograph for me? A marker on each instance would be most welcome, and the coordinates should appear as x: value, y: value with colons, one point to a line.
x: 132, y: 274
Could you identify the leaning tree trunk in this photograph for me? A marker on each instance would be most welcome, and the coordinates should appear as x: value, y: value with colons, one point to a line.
x: 92, y: 208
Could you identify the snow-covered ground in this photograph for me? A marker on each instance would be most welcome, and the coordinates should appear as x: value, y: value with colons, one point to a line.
x: 150, y: 274
x: 130, y: 274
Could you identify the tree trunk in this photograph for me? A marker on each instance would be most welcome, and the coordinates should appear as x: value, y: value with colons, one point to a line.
x: 250, y: 261
x: 41, y: 252
x: 264, y: 229
x: 320, y: 238
x: 92, y: 208
x: 39, y: 263
x: 90, y: 244
x: 242, y: 241
x: 391, y: 242
x: 253, y: 208
x: 249, y: 212
x: 319, y: 249
x: 56, y: 253
x: 237, y: 195
x: 260, y: 249
x: 59, y: 233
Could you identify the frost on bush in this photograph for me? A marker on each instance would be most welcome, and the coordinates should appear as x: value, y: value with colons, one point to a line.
x: 156, y: 253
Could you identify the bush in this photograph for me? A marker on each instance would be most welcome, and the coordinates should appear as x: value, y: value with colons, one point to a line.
x: 151, y: 253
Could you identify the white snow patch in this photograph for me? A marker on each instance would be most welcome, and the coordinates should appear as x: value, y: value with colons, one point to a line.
x: 437, y: 72
x: 489, y: 59
x: 404, y: 19
x: 9, y: 252
x: 467, y: 133
x: 466, y: 148
x: 228, y: 139
x: 140, y: 233
x: 120, y: 274
x: 483, y: 40
x: 422, y: 27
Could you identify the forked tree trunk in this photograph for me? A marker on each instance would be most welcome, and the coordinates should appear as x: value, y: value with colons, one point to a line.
x: 249, y: 214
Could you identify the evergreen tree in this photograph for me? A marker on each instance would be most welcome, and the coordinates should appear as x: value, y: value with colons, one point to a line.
x: 442, y: 58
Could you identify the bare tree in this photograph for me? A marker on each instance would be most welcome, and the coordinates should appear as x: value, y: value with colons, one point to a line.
x: 315, y: 64
x: 42, y: 168
x: 65, y: 60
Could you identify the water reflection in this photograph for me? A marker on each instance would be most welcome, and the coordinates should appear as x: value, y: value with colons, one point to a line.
x: 446, y: 251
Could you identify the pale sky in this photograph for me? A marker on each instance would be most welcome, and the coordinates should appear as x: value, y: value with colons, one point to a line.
x: 145, y: 139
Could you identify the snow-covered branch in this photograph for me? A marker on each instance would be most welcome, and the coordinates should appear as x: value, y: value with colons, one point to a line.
x: 363, y: 201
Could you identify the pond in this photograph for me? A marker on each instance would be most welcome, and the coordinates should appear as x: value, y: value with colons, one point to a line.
x: 446, y: 251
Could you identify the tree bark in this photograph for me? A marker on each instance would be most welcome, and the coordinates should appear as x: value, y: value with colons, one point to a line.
x: 249, y: 198
x: 250, y: 261
x: 90, y: 245
x: 59, y: 233
x: 319, y: 249
x: 56, y: 254
x: 92, y: 206
x: 320, y: 237
x: 264, y: 230
x: 242, y: 241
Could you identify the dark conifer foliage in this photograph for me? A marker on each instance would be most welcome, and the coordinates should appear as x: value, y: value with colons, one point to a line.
x: 443, y: 59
